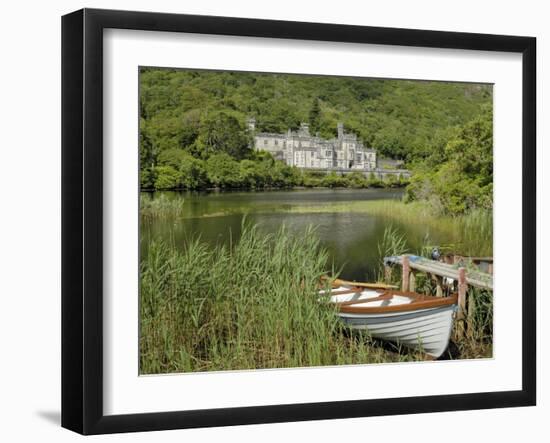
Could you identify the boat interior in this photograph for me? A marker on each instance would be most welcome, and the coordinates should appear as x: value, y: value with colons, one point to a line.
x: 357, y: 298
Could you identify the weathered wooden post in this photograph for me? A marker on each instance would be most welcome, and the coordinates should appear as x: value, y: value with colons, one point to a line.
x: 406, y: 272
x: 412, y: 282
x: 470, y: 316
x: 438, y: 286
x: 388, y: 272
x: 462, y: 288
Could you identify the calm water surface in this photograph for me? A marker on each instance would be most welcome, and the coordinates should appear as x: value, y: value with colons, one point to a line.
x: 351, y: 238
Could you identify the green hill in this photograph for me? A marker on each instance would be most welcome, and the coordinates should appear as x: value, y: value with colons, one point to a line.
x: 400, y: 118
x: 188, y: 115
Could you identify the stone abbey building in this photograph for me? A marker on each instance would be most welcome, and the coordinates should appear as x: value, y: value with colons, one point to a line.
x: 300, y: 148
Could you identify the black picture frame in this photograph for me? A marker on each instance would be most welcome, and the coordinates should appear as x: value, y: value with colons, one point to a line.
x: 82, y: 218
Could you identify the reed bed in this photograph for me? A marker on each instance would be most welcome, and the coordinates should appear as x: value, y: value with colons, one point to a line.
x: 253, y: 305
x: 160, y: 206
x: 478, y: 342
x: 471, y: 233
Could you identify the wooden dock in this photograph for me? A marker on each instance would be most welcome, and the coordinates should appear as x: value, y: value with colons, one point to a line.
x: 411, y: 264
x: 473, y: 277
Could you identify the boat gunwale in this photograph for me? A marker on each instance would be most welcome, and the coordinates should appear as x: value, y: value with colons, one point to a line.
x: 418, y: 302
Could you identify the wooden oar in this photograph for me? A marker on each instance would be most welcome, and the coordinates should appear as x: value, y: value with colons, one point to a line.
x: 339, y: 282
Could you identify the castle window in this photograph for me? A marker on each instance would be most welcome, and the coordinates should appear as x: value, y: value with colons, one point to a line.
x: 328, y: 153
x: 265, y: 142
x: 276, y: 142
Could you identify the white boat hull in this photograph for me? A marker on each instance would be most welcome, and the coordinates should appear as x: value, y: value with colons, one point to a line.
x: 427, y: 329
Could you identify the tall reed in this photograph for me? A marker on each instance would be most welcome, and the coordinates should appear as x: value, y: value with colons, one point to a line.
x: 478, y: 342
x: 393, y: 243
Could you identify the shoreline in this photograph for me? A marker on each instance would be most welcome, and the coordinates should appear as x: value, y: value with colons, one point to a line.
x: 269, y: 188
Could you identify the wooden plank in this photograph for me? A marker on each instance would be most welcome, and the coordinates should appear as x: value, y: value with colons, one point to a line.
x: 436, y: 266
x: 393, y: 260
x: 474, y: 278
x: 447, y: 271
x: 446, y: 268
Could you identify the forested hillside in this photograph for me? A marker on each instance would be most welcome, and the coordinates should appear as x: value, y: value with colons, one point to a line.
x: 193, y: 126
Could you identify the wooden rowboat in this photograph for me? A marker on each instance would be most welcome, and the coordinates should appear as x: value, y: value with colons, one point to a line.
x: 414, y: 320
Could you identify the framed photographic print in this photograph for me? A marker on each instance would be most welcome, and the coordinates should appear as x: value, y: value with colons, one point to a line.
x: 269, y: 221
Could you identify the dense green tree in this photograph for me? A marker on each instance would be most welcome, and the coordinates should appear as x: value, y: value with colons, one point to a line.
x: 172, y: 157
x: 147, y: 157
x: 147, y: 177
x: 221, y: 132
x: 222, y: 170
x: 193, y: 173
x: 190, y: 127
x: 250, y: 175
x: 166, y: 178
x: 464, y: 180
x: 315, y: 116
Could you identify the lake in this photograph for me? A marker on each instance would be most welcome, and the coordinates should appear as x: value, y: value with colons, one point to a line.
x: 351, y: 238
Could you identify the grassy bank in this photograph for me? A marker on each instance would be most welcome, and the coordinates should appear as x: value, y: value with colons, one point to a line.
x: 253, y: 305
